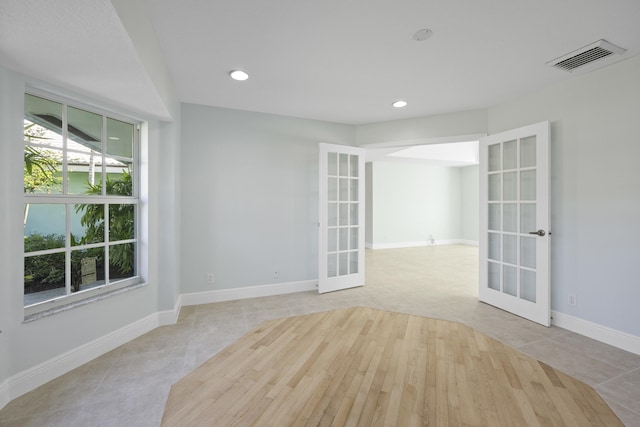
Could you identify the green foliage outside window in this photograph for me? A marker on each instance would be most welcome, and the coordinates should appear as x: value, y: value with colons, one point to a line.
x: 121, y: 222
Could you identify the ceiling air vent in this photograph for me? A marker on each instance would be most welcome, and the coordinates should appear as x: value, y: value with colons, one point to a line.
x: 590, y: 54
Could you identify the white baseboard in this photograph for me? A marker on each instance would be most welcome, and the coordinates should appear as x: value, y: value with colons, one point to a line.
x: 221, y: 295
x: 5, y: 396
x: 170, y: 317
x: 415, y: 244
x: 31, y: 378
x: 597, y: 332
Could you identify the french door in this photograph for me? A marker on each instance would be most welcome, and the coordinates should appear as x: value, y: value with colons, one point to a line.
x: 515, y: 221
x: 341, y: 240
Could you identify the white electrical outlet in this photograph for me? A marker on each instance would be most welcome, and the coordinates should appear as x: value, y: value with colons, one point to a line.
x: 572, y: 300
x: 210, y: 278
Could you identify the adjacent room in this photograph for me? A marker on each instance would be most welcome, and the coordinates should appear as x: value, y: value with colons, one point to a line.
x: 297, y: 213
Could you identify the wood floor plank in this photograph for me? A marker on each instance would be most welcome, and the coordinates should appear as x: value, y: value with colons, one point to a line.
x: 367, y: 367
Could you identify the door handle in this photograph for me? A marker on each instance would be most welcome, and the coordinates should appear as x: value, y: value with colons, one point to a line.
x: 539, y: 232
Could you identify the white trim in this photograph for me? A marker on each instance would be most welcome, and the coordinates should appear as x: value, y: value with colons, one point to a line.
x: 597, y: 332
x: 221, y: 295
x: 170, y: 317
x: 425, y: 141
x: 414, y: 244
x: 31, y: 378
x: 5, y: 396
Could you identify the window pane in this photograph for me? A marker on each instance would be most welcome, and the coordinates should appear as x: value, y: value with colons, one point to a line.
x: 84, y: 133
x: 510, y: 157
x: 353, y: 212
x: 332, y: 164
x: 344, y: 189
x: 332, y: 189
x: 344, y: 165
x: 354, y: 165
x: 494, y: 187
x: 494, y: 216
x: 510, y: 249
x: 87, y: 224
x: 528, y: 252
x: 87, y: 269
x: 119, y: 181
x: 44, y: 277
x: 510, y: 215
x: 45, y: 226
x: 344, y: 214
x: 510, y: 280
x: 332, y: 265
x: 353, y: 266
x: 353, y: 196
x: 494, y: 276
x: 84, y: 128
x: 332, y: 214
x: 353, y: 239
x: 42, y: 170
x: 42, y: 121
x: 119, y: 138
x: 332, y: 239
x: 343, y: 239
x: 494, y: 246
x: 494, y: 157
x: 343, y: 263
x: 528, y: 285
x: 528, y: 185
x: 84, y: 174
x: 121, y: 222
x: 528, y: 152
x: 510, y: 186
x: 527, y: 217
x: 122, y: 261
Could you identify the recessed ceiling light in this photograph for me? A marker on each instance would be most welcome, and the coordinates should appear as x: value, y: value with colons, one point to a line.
x: 239, y: 75
x: 422, y: 35
x: 400, y: 104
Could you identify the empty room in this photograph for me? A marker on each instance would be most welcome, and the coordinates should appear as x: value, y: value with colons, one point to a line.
x: 243, y: 213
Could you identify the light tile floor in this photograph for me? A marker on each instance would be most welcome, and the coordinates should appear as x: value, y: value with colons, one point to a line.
x: 129, y: 385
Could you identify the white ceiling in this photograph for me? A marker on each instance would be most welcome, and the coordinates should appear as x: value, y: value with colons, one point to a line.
x: 336, y: 60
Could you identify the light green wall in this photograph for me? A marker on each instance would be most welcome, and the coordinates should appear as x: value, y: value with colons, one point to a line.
x: 12, y: 89
x: 411, y: 202
x: 250, y: 196
x: 430, y: 127
x: 469, y: 193
x: 595, y: 189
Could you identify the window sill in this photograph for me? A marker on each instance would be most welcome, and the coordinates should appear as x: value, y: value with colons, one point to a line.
x: 89, y: 300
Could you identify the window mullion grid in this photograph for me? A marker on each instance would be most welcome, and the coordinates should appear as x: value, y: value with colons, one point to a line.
x: 518, y: 210
x: 106, y: 243
x: 65, y: 166
x: 67, y: 256
x: 103, y: 175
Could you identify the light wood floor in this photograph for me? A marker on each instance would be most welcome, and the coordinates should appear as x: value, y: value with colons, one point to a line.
x: 368, y: 367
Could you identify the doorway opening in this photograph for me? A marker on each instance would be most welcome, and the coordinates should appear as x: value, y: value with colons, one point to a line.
x: 422, y: 194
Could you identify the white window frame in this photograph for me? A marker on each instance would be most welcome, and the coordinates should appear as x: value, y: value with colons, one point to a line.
x: 68, y: 200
